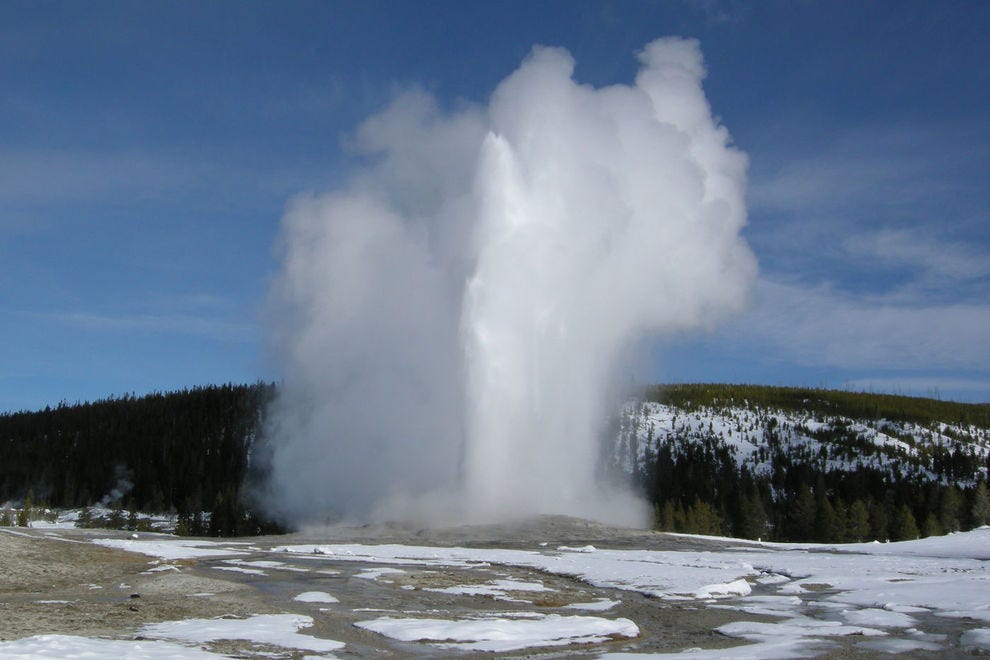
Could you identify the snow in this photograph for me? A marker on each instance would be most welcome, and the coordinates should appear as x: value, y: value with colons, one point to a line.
x: 241, y: 569
x: 744, y: 430
x: 735, y: 588
x: 882, y: 595
x: 275, y: 629
x: 978, y: 638
x: 600, y: 605
x: 70, y: 647
x: 45, y: 524
x: 496, y: 588
x: 900, y: 645
x: 264, y: 563
x: 498, y: 635
x: 878, y: 618
x: 375, y: 573
x: 171, y: 548
x: 863, y: 589
x: 315, y: 597
x: 799, y: 626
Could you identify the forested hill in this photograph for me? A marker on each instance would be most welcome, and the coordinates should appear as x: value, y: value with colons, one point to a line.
x: 854, y: 405
x: 805, y: 464
x: 185, y: 452
x: 750, y: 461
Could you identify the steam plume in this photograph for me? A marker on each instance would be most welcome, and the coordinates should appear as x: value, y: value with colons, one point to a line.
x: 450, y: 322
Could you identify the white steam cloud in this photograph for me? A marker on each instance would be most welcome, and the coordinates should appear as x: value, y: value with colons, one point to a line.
x: 450, y: 323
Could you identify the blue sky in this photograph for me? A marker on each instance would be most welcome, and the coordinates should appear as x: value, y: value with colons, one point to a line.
x: 147, y: 151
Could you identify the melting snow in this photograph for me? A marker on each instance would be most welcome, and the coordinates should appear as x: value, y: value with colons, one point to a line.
x: 171, y: 548
x: 275, y: 629
x: 500, y: 635
x: 315, y: 597
x: 876, y: 592
x: 69, y: 647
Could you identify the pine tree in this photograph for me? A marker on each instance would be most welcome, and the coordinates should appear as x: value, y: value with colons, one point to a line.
x: 948, y: 509
x: 879, y: 525
x: 980, y: 508
x: 858, y: 529
x: 905, y: 526
x: 931, y: 526
x: 829, y: 526
x: 702, y: 519
x: 665, y: 517
x: 753, y: 517
x: 24, y: 515
x: 802, y: 515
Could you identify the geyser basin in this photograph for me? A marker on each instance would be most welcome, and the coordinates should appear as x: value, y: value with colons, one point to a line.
x: 450, y: 320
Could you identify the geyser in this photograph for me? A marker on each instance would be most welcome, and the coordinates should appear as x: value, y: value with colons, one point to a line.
x: 451, y: 320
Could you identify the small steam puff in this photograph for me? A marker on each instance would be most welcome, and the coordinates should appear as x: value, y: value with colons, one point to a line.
x: 450, y: 323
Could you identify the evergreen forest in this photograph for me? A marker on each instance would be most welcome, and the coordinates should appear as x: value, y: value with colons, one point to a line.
x: 770, y: 463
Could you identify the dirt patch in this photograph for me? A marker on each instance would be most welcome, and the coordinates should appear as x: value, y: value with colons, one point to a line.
x: 56, y: 585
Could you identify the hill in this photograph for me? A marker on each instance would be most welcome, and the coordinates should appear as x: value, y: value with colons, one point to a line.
x: 751, y: 461
x: 805, y: 464
x: 185, y: 452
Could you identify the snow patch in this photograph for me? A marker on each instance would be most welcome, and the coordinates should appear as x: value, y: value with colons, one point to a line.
x: 500, y: 634
x: 170, y: 549
x: 315, y: 597
x: 275, y: 629
x: 70, y: 647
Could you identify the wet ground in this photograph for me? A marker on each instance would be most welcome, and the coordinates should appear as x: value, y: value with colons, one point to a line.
x: 55, y: 581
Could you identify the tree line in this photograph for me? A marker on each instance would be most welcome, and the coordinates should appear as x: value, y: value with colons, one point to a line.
x: 195, y: 453
x: 187, y: 452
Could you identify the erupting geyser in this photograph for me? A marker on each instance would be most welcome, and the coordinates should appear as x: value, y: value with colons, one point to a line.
x: 450, y: 322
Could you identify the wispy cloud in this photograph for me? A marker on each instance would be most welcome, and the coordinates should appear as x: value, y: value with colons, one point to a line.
x: 818, y: 326
x: 940, y: 260
x: 898, y: 166
x: 37, y: 175
x: 172, y: 324
x: 33, y: 181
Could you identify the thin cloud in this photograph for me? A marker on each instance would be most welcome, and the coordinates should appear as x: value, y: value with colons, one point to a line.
x: 31, y: 176
x: 908, y: 169
x: 938, y: 261
x: 175, y: 324
x: 33, y: 180
x: 820, y: 327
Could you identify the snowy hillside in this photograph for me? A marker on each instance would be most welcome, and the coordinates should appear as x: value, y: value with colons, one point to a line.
x: 804, y: 465
x: 754, y: 434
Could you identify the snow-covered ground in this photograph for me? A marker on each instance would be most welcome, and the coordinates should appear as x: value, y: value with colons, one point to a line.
x: 788, y: 600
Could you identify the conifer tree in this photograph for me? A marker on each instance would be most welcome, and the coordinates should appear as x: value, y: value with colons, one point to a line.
x: 24, y: 515
x: 702, y: 519
x: 980, y: 508
x: 931, y: 526
x: 905, y: 526
x: 802, y: 515
x: 858, y: 529
x: 829, y: 526
x: 948, y: 509
x: 879, y: 526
